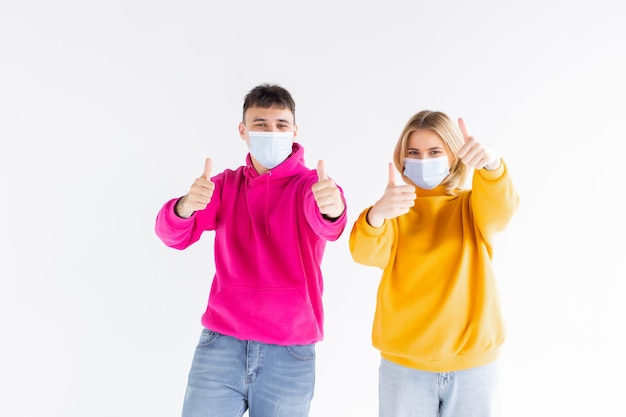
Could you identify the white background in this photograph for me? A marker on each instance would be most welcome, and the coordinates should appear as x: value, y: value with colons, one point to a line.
x: 108, y: 109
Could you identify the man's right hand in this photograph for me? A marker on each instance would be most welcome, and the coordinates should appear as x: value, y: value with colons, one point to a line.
x: 199, y: 194
x: 396, y: 201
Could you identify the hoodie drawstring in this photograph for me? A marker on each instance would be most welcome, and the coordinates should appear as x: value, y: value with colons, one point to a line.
x: 267, y: 203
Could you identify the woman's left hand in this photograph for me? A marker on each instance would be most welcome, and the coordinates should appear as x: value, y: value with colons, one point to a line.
x: 476, y: 155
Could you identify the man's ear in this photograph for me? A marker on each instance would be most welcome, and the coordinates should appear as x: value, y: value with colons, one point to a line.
x: 242, y: 130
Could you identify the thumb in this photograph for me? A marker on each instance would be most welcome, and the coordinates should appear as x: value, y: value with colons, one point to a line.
x: 321, y: 172
x: 392, y: 174
x: 463, y: 128
x: 208, y: 166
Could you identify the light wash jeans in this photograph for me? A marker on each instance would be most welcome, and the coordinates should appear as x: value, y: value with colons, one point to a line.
x: 229, y: 376
x: 407, y: 392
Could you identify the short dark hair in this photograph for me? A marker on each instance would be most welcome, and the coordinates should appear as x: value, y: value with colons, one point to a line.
x: 268, y: 95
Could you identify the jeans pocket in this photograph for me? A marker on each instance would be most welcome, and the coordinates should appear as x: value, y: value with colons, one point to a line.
x: 207, y: 337
x: 302, y: 352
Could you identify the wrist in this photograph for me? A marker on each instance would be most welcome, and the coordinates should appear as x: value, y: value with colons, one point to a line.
x: 374, y: 220
x: 492, y: 166
x: 179, y: 209
x: 334, y: 216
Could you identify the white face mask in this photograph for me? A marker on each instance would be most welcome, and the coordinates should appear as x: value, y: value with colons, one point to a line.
x: 270, y: 148
x: 426, y: 173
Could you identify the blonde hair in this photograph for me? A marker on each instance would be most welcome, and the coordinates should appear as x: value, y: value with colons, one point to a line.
x: 449, y: 132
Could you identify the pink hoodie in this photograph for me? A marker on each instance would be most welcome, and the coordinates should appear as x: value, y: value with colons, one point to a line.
x: 269, y: 243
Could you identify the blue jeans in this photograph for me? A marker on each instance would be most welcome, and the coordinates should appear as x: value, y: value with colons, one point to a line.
x: 407, y: 392
x: 229, y: 376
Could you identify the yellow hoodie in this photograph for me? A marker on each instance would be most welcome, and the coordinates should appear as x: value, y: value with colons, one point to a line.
x: 438, y: 305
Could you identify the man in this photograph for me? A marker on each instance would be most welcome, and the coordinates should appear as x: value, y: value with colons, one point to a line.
x: 272, y: 218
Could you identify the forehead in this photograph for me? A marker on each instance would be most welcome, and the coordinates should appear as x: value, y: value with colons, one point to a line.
x: 271, y: 114
x: 424, y: 139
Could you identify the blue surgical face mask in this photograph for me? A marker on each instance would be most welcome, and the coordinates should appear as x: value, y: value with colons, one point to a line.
x: 270, y: 148
x: 426, y: 173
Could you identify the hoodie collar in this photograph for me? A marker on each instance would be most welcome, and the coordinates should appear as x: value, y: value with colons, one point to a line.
x: 293, y: 164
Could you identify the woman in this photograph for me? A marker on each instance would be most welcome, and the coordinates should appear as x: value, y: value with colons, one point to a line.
x: 438, y: 323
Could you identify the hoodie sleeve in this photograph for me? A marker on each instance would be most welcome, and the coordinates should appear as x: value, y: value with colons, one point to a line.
x: 494, y: 200
x: 372, y: 246
x: 174, y: 231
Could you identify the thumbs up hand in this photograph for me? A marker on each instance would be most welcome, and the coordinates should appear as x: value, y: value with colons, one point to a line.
x: 474, y: 154
x: 396, y: 201
x: 327, y: 194
x: 199, y: 195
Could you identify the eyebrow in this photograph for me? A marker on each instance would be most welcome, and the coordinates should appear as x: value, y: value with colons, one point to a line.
x: 260, y: 119
x: 429, y: 149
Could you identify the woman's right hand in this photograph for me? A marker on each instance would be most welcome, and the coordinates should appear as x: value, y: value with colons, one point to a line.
x: 396, y: 201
